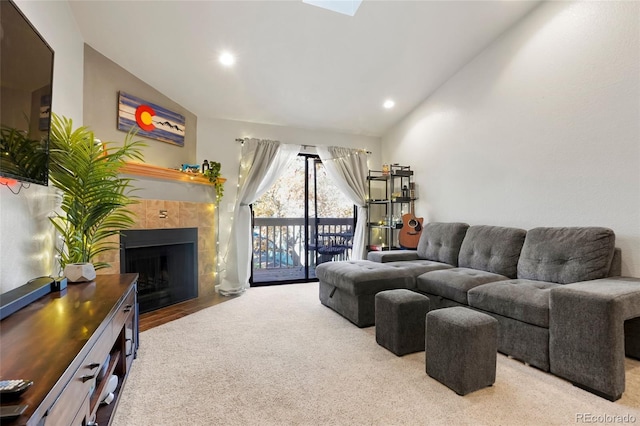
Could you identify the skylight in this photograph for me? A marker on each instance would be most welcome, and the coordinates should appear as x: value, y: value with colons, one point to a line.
x: 346, y: 7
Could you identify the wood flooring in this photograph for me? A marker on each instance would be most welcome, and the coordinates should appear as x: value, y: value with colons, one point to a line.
x: 161, y: 316
x: 164, y: 315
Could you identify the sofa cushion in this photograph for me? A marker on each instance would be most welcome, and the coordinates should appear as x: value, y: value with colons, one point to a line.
x: 384, y: 256
x: 493, y: 249
x: 522, y: 300
x: 441, y: 242
x: 566, y: 255
x: 454, y: 283
x: 360, y: 277
x: 418, y: 267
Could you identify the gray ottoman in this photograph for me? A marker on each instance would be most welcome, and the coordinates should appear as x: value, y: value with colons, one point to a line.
x: 460, y: 350
x: 400, y: 320
x: 349, y: 287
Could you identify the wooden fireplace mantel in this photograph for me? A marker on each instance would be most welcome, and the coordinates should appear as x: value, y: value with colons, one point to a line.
x: 148, y: 170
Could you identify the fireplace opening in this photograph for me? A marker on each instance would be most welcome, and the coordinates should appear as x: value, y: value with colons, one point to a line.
x: 167, y: 263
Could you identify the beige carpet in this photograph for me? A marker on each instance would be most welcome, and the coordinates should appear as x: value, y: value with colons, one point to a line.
x: 276, y: 356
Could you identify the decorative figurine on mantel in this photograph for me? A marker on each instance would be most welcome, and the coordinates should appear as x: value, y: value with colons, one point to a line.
x: 190, y: 168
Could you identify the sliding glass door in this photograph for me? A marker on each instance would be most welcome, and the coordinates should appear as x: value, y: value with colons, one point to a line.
x: 301, y: 221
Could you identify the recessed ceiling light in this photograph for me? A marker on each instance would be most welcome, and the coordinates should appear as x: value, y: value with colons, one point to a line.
x: 227, y: 59
x: 388, y: 104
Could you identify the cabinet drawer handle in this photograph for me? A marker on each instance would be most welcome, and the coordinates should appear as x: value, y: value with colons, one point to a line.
x: 87, y: 378
x: 128, y: 308
x: 93, y: 365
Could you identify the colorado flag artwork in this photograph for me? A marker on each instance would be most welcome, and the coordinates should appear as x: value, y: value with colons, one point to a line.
x: 153, y: 121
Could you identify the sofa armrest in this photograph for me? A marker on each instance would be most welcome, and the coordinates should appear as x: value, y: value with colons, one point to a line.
x: 587, y: 332
x: 392, y: 255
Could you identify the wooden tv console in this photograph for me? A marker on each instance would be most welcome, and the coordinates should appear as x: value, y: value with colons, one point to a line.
x: 61, y: 342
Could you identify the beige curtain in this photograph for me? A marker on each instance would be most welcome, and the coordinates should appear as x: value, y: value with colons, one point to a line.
x: 348, y: 169
x: 262, y: 162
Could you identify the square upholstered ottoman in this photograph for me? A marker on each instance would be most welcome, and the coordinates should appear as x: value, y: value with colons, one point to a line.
x: 461, y: 347
x: 400, y: 320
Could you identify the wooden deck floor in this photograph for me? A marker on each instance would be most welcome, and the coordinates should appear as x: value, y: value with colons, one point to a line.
x: 281, y: 274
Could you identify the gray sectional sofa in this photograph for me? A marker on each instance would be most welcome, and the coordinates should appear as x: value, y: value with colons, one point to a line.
x: 513, y: 275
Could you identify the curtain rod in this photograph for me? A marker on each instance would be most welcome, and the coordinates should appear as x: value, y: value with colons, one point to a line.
x: 303, y: 145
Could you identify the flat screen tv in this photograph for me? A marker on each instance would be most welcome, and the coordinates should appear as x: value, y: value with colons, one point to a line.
x: 26, y: 77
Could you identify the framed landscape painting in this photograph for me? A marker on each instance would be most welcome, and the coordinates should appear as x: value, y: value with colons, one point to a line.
x: 151, y: 120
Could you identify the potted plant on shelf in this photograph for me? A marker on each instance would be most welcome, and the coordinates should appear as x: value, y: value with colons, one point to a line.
x: 213, y: 173
x: 94, y: 195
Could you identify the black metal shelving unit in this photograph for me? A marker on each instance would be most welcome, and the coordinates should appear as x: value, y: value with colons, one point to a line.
x: 390, y: 196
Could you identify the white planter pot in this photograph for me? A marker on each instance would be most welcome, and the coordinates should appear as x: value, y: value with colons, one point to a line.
x: 80, y: 272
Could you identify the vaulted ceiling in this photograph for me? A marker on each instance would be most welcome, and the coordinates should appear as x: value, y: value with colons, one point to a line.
x: 296, y: 64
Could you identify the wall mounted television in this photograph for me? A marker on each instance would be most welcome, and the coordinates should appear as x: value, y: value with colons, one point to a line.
x: 26, y: 77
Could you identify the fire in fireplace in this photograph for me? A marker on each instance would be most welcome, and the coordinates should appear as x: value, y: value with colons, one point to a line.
x: 166, y: 261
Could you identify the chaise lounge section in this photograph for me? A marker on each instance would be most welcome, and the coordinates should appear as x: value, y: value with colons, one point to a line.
x: 349, y: 287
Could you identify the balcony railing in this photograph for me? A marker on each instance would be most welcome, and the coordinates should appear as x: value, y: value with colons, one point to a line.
x: 279, y: 244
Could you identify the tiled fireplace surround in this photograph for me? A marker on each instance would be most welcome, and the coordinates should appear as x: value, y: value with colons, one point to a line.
x: 163, y: 214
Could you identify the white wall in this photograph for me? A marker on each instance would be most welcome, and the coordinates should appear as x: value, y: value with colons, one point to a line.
x: 26, y: 238
x: 216, y: 142
x: 541, y: 129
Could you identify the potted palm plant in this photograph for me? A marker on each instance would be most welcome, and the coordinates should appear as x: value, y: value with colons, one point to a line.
x: 94, y: 195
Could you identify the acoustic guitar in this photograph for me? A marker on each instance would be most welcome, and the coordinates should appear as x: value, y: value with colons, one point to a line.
x: 411, y: 230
